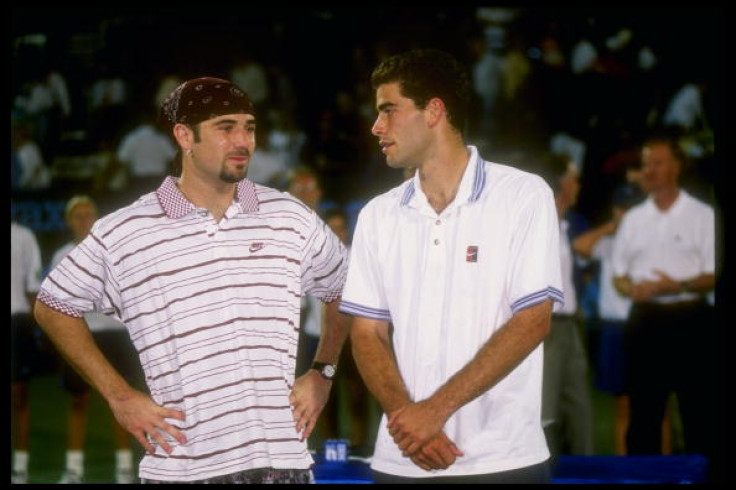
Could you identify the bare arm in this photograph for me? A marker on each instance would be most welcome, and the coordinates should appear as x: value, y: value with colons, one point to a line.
x: 377, y: 364
x: 375, y: 359
x: 584, y: 243
x: 134, y: 410
x: 414, y: 424
x: 311, y: 390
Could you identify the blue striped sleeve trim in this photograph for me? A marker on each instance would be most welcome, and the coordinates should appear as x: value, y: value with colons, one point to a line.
x: 364, y: 311
x: 535, y: 298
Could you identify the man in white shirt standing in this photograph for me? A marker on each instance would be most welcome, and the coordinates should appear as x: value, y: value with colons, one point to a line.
x: 452, y: 280
x: 664, y: 261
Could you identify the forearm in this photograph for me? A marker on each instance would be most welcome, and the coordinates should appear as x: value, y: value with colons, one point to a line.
x: 500, y: 355
x: 702, y: 284
x: 73, y: 340
x: 376, y: 363
x: 585, y: 242
x: 334, y: 333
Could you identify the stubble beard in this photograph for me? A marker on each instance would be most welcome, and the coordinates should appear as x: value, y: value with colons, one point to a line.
x: 233, y: 176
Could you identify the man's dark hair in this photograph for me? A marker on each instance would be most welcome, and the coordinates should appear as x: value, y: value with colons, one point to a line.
x: 423, y: 74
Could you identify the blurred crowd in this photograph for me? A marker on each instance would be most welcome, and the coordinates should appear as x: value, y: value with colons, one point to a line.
x: 588, y: 83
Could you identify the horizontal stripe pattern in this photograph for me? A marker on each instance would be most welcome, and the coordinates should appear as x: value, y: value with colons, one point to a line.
x: 213, y: 310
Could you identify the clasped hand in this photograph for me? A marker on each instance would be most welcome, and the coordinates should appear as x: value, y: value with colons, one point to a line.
x: 417, y: 430
x: 308, y: 397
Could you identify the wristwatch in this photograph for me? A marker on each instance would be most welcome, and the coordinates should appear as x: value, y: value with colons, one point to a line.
x: 326, y: 370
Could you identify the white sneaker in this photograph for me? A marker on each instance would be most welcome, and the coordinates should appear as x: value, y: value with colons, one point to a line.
x: 124, y: 476
x: 19, y: 477
x: 70, y: 476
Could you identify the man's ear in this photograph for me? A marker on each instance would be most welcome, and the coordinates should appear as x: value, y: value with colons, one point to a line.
x: 184, y: 136
x: 435, y: 111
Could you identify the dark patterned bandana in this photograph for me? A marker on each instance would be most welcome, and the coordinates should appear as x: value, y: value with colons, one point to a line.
x: 203, y: 98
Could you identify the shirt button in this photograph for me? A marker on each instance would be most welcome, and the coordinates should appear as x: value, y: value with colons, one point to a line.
x: 202, y: 212
x: 436, y: 241
x: 438, y: 222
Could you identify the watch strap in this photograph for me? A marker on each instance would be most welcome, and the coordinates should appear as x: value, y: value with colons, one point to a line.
x: 320, y: 367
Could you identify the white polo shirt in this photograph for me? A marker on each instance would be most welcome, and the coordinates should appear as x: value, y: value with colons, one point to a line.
x: 611, y: 305
x: 213, y: 310
x: 448, y: 282
x: 679, y: 242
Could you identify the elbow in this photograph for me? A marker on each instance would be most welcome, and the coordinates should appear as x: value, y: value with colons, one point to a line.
x: 42, y: 314
x: 39, y: 313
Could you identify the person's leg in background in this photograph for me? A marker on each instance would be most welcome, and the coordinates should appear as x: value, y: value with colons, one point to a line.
x: 24, y: 352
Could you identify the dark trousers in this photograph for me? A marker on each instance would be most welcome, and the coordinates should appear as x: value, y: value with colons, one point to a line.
x: 567, y: 406
x: 670, y: 350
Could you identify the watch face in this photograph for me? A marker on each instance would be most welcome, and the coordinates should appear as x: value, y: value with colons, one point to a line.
x: 328, y: 371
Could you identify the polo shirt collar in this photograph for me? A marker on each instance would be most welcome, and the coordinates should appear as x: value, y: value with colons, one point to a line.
x: 680, y: 202
x: 471, y: 185
x: 175, y: 205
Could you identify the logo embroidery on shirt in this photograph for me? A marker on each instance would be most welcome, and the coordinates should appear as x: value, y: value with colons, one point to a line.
x: 471, y: 255
x: 255, y: 247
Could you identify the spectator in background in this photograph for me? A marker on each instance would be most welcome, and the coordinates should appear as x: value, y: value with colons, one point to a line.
x: 664, y: 262
x: 251, y: 75
x: 114, y: 341
x: 613, y: 311
x: 567, y: 410
x: 25, y: 281
x: 29, y: 170
x: 271, y: 165
x: 44, y: 98
x: 109, y: 90
x: 145, y: 157
x: 337, y: 220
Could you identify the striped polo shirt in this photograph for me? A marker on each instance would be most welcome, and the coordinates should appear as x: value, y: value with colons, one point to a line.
x: 448, y: 282
x: 213, y: 311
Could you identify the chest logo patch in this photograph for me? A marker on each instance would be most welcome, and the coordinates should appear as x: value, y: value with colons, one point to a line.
x: 471, y: 254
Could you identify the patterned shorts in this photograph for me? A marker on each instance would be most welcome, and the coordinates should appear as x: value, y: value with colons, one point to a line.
x: 257, y: 476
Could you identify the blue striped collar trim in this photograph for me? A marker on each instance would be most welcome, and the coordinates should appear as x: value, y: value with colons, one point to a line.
x: 479, y: 180
x: 408, y: 193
